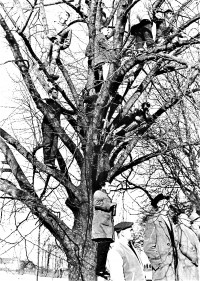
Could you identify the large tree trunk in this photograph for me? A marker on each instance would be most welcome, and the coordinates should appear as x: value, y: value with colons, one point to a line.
x: 82, y: 257
x: 82, y: 262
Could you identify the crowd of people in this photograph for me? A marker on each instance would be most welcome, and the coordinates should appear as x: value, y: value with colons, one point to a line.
x: 171, y: 242
x: 139, y: 38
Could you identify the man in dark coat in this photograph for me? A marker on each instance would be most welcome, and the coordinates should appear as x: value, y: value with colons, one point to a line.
x: 103, y: 226
x: 50, y: 138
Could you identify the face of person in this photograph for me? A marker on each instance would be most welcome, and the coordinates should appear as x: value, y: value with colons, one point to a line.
x: 107, y: 187
x: 63, y: 18
x: 127, y: 234
x: 168, y: 15
x: 185, y: 220
x: 54, y: 94
x: 163, y: 207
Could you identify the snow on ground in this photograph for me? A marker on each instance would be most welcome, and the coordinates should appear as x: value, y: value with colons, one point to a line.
x: 5, y: 276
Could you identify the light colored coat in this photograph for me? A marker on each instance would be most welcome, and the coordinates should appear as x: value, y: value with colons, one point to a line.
x: 188, y: 253
x: 102, y: 224
x: 158, y: 247
x: 141, y: 11
x: 123, y: 264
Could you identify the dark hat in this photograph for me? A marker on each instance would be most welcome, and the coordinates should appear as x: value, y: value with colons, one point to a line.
x: 168, y: 11
x: 123, y: 225
x: 158, y: 198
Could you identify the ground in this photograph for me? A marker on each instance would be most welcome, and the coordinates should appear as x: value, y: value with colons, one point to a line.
x: 7, y: 276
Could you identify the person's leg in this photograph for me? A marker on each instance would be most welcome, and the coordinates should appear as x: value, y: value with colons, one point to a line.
x: 160, y: 25
x: 102, y: 251
x: 53, y: 64
x: 146, y: 28
x: 98, y: 76
x: 47, y: 143
x: 54, y: 149
x: 136, y: 30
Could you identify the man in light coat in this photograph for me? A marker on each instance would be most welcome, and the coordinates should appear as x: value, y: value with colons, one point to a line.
x: 123, y: 262
x: 103, y: 226
x: 188, y: 250
x: 159, y: 244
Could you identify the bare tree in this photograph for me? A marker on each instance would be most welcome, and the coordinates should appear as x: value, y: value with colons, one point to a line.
x: 107, y: 132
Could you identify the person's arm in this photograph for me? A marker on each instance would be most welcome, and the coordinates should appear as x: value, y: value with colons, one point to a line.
x: 150, y: 240
x: 66, y: 37
x: 189, y: 250
x: 115, y: 266
x: 65, y: 111
x: 101, y: 202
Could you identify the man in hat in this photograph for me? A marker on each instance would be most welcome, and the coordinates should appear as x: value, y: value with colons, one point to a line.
x: 123, y: 261
x: 159, y: 241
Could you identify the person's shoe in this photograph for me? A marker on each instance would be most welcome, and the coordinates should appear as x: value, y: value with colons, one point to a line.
x: 104, y: 274
x: 160, y: 41
x: 54, y: 77
x: 51, y: 166
x: 140, y: 51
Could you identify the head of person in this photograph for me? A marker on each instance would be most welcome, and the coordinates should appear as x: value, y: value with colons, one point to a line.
x: 163, y: 207
x: 106, y: 186
x: 63, y: 17
x: 161, y: 204
x: 168, y: 13
x: 53, y: 93
x: 124, y: 231
x: 184, y: 219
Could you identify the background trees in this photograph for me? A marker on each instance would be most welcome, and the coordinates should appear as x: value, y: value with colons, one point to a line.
x: 99, y: 141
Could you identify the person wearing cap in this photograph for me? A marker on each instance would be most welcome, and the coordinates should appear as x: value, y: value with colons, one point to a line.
x: 50, y: 138
x: 188, y: 248
x: 159, y: 241
x: 123, y: 262
x: 103, y: 226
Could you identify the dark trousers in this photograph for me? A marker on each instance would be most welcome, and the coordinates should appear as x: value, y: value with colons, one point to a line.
x: 50, y: 144
x: 143, y: 33
x: 102, y: 251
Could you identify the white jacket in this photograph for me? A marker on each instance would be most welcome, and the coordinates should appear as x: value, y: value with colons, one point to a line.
x: 142, y: 10
x: 123, y: 264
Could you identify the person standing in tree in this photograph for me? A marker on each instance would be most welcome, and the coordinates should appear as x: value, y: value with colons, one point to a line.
x: 103, y: 226
x: 50, y: 138
x: 141, y: 25
x: 58, y: 41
